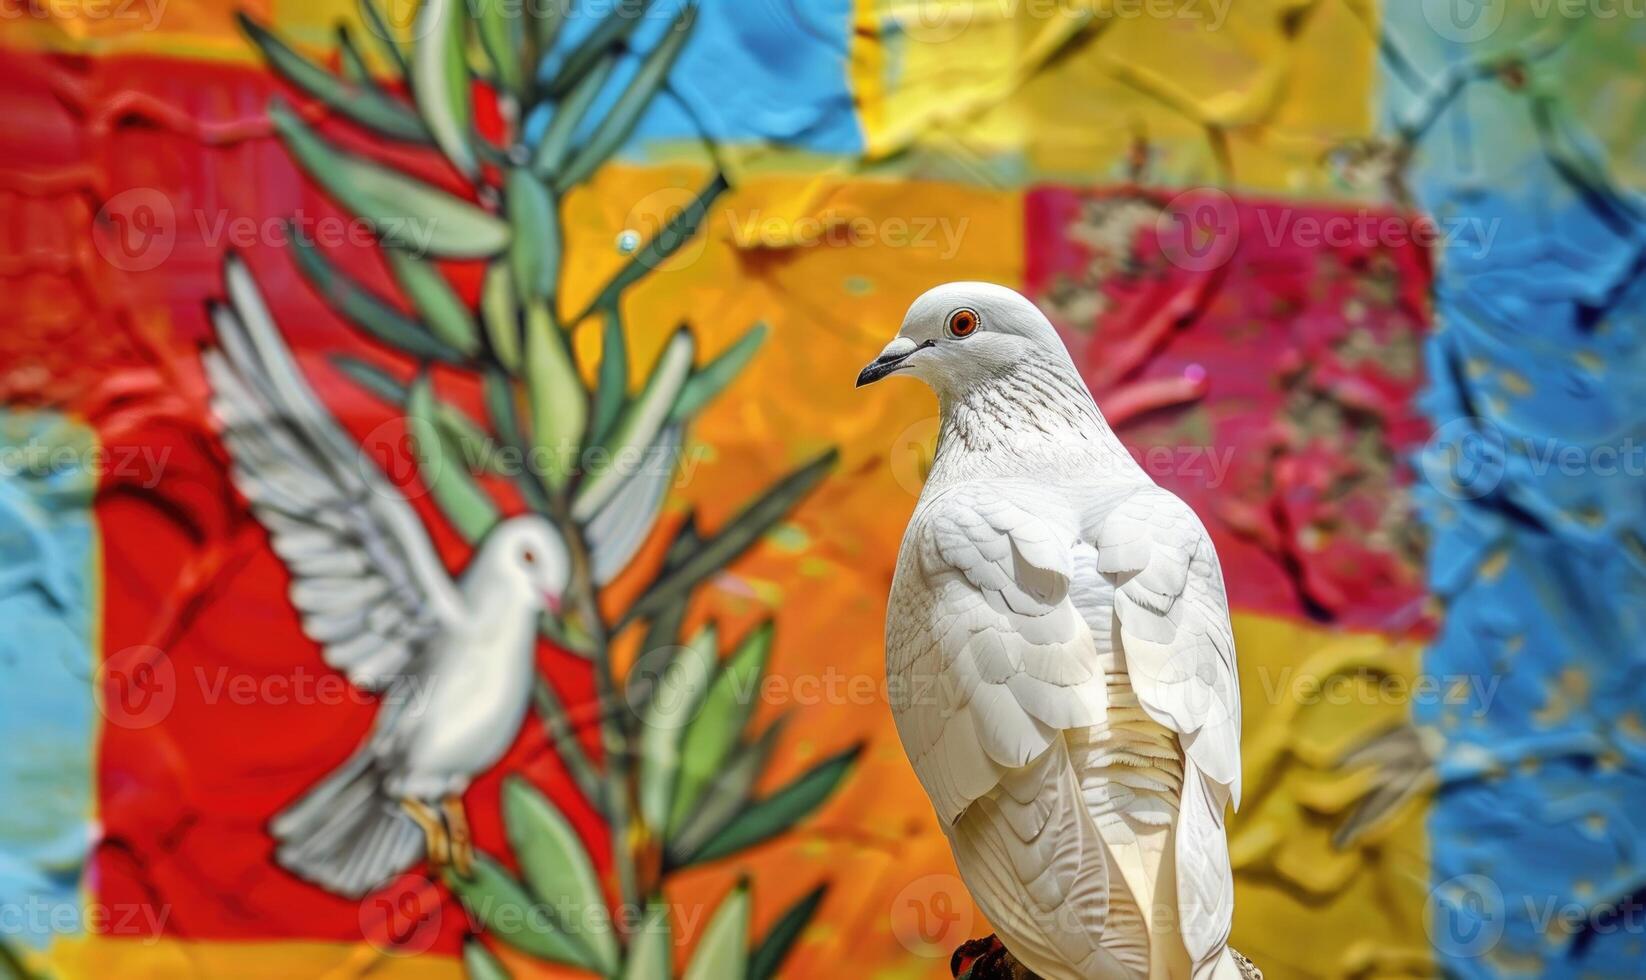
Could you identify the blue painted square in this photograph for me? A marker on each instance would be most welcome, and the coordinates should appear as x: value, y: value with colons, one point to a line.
x: 47, y: 713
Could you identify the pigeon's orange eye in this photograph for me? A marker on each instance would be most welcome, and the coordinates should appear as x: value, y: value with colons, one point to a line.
x: 963, y: 322
x: 529, y: 556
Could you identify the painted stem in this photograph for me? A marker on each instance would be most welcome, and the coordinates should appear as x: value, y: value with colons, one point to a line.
x: 616, y: 803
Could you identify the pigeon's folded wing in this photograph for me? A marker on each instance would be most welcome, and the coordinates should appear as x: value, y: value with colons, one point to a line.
x: 988, y: 657
x: 365, y: 576
x: 1174, y: 629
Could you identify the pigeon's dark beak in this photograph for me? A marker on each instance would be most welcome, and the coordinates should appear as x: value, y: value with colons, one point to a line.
x: 890, y: 359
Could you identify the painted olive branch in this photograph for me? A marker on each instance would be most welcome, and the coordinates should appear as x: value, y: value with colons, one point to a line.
x: 679, y: 757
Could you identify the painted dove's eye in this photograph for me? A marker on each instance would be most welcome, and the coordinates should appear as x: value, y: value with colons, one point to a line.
x: 963, y: 322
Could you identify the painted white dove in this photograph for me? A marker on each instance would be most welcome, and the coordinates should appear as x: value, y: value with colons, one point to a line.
x: 452, y: 661
x: 1060, y: 658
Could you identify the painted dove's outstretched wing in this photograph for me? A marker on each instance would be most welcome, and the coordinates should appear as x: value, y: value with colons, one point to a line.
x: 365, y: 576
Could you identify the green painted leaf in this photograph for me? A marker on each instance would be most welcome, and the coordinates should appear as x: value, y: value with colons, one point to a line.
x: 440, y: 79
x: 404, y: 212
x: 620, y: 120
x: 365, y: 309
x: 378, y: 26
x: 637, y: 427
x: 444, y: 469
x: 509, y: 914
x: 559, y: 406
x: 556, y: 867
x: 372, y: 378
x: 723, y: 953
x: 354, y: 63
x: 501, y: 27
x: 673, y: 703
x: 500, y: 312
x: 663, y: 632
x: 354, y: 101
x: 665, y: 243
x: 435, y: 301
x: 769, y: 955
x: 711, y: 379
x: 650, y: 947
x: 616, y: 28
x: 549, y: 17
x: 612, y: 390
x: 534, y: 255
x: 503, y: 407
x: 556, y: 143
x: 729, y: 791
x: 476, y: 448
x: 780, y: 811
x: 480, y: 964
x: 714, y: 733
x: 732, y: 540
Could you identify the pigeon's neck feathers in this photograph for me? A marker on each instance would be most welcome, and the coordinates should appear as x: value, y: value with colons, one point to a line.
x: 1034, y: 419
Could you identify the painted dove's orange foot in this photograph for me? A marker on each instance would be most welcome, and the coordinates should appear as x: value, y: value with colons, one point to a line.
x: 462, y: 843
x: 434, y: 832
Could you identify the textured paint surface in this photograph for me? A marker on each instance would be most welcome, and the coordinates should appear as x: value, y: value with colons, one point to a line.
x: 1536, y: 508
x: 767, y: 72
x: 881, y: 147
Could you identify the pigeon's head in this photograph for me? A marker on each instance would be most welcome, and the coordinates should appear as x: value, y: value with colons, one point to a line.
x: 528, y: 555
x: 963, y: 334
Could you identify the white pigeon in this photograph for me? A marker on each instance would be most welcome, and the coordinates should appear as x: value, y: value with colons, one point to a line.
x: 452, y: 661
x: 1060, y: 658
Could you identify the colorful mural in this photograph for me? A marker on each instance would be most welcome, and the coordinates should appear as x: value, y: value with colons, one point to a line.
x: 1359, y: 280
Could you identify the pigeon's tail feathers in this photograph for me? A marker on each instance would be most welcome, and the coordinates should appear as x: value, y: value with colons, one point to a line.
x: 1040, y: 869
x: 346, y: 834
